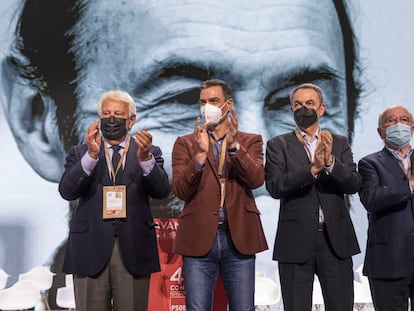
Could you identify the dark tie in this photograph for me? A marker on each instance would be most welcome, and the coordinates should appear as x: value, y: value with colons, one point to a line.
x: 115, y: 160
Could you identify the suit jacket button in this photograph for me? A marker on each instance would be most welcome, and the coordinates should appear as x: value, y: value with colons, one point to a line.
x: 215, y: 213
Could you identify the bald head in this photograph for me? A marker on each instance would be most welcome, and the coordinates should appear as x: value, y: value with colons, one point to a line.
x: 394, y: 114
x: 396, y: 127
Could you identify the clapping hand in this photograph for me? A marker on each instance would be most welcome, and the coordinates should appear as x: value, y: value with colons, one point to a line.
x: 232, y: 129
x: 202, y: 141
x: 144, y: 142
x: 327, y: 142
x: 93, y: 139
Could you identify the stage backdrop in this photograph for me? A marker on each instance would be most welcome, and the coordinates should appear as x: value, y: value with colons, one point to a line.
x: 56, y: 60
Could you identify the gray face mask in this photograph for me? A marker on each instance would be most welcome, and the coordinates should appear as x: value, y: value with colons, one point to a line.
x: 113, y: 128
x: 398, y: 135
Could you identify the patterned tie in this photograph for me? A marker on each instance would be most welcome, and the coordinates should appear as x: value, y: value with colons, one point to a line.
x: 115, y: 160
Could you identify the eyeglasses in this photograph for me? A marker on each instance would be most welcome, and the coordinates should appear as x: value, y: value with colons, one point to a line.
x: 394, y: 120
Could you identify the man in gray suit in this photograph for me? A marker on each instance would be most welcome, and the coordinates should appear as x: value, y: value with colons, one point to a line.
x: 310, y: 170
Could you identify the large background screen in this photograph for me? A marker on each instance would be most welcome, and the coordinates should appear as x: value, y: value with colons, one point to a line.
x: 56, y: 60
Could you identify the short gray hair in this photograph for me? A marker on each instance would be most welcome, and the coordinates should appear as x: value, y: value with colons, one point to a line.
x: 312, y: 86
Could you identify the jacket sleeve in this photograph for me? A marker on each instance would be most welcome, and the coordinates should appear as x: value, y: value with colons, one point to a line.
x: 156, y: 183
x: 186, y: 177
x: 380, y: 191
x: 74, y: 179
x: 248, y: 162
x: 344, y: 175
x: 281, y: 180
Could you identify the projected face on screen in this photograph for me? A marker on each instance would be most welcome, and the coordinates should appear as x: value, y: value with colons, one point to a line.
x: 160, y: 51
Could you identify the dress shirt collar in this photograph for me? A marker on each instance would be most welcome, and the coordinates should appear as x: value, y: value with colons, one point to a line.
x: 306, y: 138
x: 218, y: 140
x: 121, y: 144
x: 398, y: 156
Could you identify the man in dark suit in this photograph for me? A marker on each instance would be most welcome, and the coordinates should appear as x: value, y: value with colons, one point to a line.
x: 310, y: 170
x: 112, y: 248
x: 387, y: 194
x: 215, y: 169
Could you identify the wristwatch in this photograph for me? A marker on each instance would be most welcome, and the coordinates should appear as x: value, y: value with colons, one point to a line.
x: 234, y: 149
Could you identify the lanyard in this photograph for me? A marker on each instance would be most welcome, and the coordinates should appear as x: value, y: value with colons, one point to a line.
x: 222, y: 155
x: 121, y: 160
x: 222, y: 158
x: 311, y: 155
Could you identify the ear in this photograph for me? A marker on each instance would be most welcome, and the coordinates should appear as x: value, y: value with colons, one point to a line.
x: 32, y: 120
x: 230, y: 104
x: 321, y: 110
x: 131, y: 121
x: 381, y: 133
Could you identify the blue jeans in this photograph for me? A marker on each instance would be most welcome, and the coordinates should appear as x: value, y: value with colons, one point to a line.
x: 237, y: 272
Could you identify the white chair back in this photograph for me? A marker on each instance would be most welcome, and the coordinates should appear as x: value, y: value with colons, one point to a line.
x: 266, y: 293
x: 65, y: 296
x: 40, y: 276
x: 69, y: 280
x: 3, y: 278
x: 22, y: 295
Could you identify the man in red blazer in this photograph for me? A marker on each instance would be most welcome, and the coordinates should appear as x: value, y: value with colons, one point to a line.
x: 310, y: 170
x: 215, y: 169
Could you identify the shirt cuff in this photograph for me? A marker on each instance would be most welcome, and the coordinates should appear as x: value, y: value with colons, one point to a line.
x: 88, y: 163
x: 148, y: 165
x: 329, y: 169
x: 199, y: 166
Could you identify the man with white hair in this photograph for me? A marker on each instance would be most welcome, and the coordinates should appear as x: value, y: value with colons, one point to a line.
x: 112, y: 248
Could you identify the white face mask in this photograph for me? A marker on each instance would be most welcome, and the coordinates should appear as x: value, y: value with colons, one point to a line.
x: 211, y: 114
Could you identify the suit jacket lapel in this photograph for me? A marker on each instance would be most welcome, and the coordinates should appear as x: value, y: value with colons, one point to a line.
x: 131, y: 164
x: 102, y: 167
x: 298, y: 149
x: 391, y: 163
x: 412, y: 163
x: 212, y: 161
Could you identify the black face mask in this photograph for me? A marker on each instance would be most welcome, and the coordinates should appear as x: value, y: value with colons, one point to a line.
x: 305, y: 117
x: 113, y: 128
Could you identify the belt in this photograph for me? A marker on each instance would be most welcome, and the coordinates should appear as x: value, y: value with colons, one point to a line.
x: 223, y: 225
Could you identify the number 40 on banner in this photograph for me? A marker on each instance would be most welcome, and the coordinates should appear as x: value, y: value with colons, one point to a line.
x: 177, y: 276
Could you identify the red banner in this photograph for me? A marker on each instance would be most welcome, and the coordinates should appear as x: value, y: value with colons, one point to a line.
x: 167, y: 286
